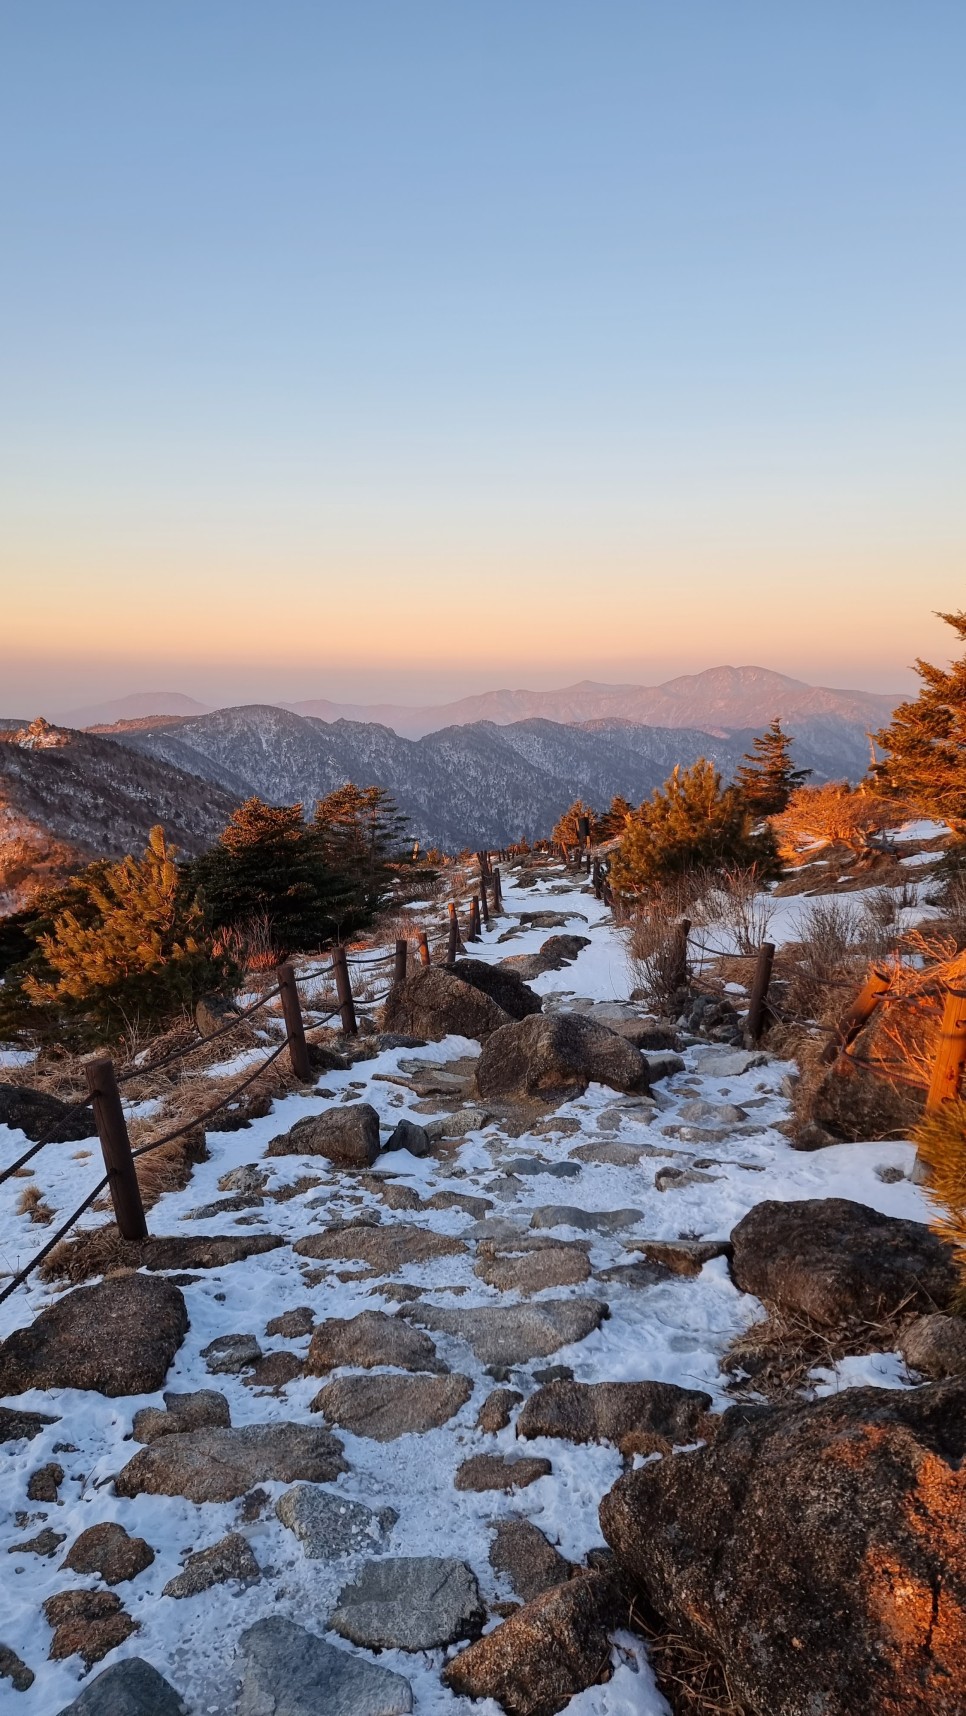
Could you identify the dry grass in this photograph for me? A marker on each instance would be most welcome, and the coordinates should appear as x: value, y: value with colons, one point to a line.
x: 778, y: 1354
x: 32, y: 1203
x: 694, y: 1682
x: 92, y: 1251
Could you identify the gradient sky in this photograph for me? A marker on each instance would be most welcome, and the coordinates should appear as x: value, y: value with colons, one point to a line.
x: 407, y: 349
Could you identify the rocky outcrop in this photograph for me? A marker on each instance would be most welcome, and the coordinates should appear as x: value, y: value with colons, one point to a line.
x: 506, y: 988
x: 116, y: 1338
x: 554, y: 1057
x: 202, y: 1409
x: 229, y: 1561
x: 39, y: 1115
x: 434, y: 1003
x: 387, y: 1248
x: 641, y: 1417
x: 348, y: 1136
x: 557, y: 952
x: 935, y: 1346
x: 833, y: 1260
x: 555, y: 1646
x: 129, y: 1688
x: 328, y: 1524
x: 817, y: 1551
x: 524, y: 1556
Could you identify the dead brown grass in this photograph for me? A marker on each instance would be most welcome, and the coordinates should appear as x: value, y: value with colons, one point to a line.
x: 92, y: 1251
x: 694, y: 1682
x: 32, y: 1203
x: 777, y: 1355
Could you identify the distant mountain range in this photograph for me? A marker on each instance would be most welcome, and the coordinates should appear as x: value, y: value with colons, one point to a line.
x: 68, y: 797
x: 721, y: 700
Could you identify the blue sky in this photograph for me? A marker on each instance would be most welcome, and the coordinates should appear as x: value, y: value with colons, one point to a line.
x: 414, y: 348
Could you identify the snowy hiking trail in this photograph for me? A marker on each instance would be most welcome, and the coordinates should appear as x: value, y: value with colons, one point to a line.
x: 674, y: 1330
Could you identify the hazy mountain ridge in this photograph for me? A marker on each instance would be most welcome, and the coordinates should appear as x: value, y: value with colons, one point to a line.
x: 474, y: 785
x: 63, y: 804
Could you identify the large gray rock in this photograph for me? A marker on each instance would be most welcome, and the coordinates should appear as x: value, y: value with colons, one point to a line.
x: 641, y: 1417
x: 37, y: 1114
x: 552, y: 1057
x: 555, y: 1646
x: 514, y: 1334
x: 534, y: 1271
x: 218, y: 1465
x: 506, y: 988
x: 288, y: 1671
x: 370, y: 1339
x: 347, y: 1136
x: 415, y: 1602
x: 384, y: 1407
x: 129, y: 1688
x: 556, y: 952
x: 226, y: 1355
x: 406, y: 1135
x: 116, y: 1338
x: 433, y: 1003
x: 328, y: 1524
x: 834, y: 1260
x: 817, y: 1551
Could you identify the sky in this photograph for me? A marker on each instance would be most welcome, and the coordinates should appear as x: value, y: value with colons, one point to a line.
x: 401, y: 351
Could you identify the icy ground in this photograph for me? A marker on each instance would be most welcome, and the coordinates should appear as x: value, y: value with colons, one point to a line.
x: 675, y: 1331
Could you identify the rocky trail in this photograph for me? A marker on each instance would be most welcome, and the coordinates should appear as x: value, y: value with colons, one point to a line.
x: 395, y: 1342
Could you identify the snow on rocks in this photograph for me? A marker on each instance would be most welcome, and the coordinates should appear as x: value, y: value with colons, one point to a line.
x: 447, y: 1232
x: 410, y: 1603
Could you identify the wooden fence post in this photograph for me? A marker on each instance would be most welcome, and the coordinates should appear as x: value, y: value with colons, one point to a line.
x: 484, y: 903
x: 682, y: 930
x: 401, y: 960
x: 859, y: 1014
x: 947, y: 1072
x: 473, y: 932
x: 453, y: 941
x: 116, y: 1148
x: 757, y: 1000
x: 422, y: 941
x: 294, y: 1025
x: 343, y: 988
x: 497, y: 893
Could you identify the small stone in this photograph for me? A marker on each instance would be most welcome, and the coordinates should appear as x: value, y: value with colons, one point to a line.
x: 496, y: 1409
x: 108, y: 1550
x: 273, y: 1371
x: 681, y: 1256
x: 288, y: 1671
x: 46, y: 1542
x: 553, y: 1373
x: 384, y: 1407
x: 500, y: 1472
x: 372, y: 1338
x: 410, y: 1603
x: 231, y: 1353
x: 43, y: 1484
x: 641, y: 1417
x: 14, y: 1669
x: 526, y: 1558
x: 387, y: 1249
x: 471, y: 1206
x: 328, y: 1524
x: 406, y: 1135
x: 230, y: 1559
x: 675, y: 1179
x: 347, y: 1135
x: 202, y: 1409
x: 249, y: 1179
x: 128, y: 1688
x: 17, y: 1426
x: 86, y: 1623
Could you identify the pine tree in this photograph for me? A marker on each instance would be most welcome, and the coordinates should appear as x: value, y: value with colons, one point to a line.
x: 615, y: 819
x: 364, y: 837
x: 925, y: 742
x: 132, y: 945
x: 768, y: 777
x: 567, y: 829
x: 691, y: 823
x: 268, y: 867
